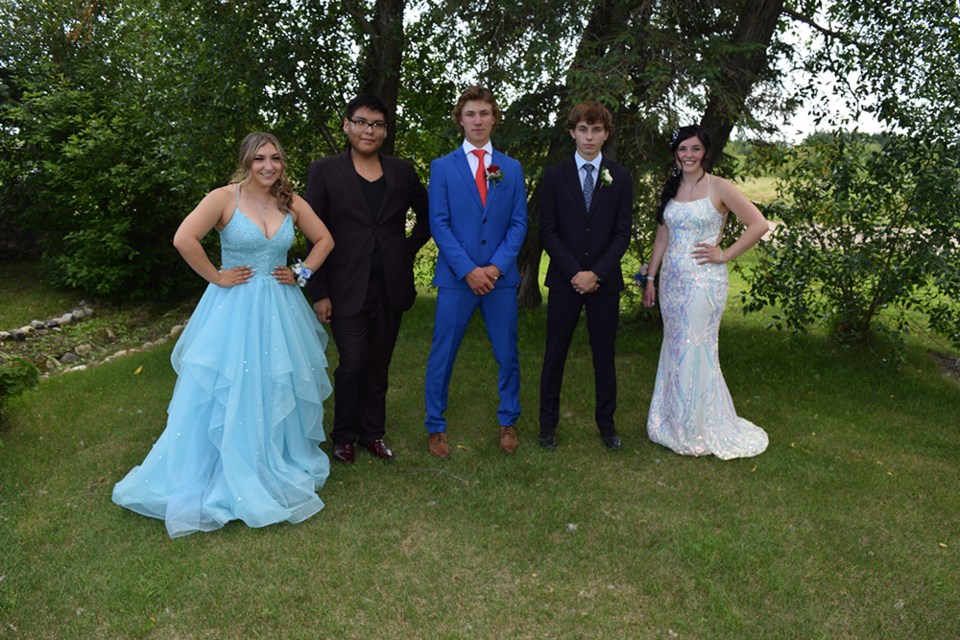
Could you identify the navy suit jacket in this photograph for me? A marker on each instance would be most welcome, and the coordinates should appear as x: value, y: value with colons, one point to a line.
x: 578, y: 240
x: 468, y: 234
x: 334, y: 192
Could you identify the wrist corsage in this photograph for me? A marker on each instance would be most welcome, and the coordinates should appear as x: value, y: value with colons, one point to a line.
x: 302, y: 272
x: 605, y: 178
x: 494, y: 174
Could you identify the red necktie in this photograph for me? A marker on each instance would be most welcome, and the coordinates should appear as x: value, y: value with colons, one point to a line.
x: 481, y: 175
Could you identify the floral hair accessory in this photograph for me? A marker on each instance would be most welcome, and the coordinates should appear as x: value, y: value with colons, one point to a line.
x: 494, y: 174
x: 302, y: 272
x: 674, y: 136
x: 605, y: 178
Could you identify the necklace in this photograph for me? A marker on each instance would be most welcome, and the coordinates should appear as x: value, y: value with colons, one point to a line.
x: 263, y: 205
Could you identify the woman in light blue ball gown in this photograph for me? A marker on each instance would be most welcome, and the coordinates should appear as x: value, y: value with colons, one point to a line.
x: 691, y: 411
x: 246, y: 417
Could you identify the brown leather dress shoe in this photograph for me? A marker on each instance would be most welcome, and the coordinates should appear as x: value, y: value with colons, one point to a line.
x: 508, y: 439
x: 380, y: 449
x: 437, y: 445
x: 343, y: 452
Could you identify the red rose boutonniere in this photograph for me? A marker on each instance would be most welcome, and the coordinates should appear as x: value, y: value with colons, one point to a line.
x: 494, y: 174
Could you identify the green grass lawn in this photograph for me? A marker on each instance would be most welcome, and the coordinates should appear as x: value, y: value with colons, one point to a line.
x: 846, y: 527
x: 25, y: 299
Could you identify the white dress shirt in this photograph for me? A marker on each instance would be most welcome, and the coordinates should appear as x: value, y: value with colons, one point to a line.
x: 583, y: 174
x: 472, y: 159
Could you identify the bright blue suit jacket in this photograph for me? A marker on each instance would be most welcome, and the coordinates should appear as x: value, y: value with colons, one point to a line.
x: 469, y: 235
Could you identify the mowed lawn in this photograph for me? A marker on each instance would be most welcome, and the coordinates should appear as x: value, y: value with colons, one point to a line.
x: 846, y: 527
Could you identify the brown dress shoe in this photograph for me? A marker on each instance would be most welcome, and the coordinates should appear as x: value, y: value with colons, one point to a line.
x: 437, y: 446
x: 508, y: 439
x: 380, y: 449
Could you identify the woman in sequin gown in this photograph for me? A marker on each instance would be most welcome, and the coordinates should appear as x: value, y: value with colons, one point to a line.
x: 691, y: 411
x: 247, y: 411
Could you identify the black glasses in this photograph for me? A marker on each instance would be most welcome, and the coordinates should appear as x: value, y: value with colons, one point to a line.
x: 360, y: 123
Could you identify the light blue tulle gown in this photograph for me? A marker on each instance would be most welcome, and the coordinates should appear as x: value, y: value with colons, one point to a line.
x: 691, y: 411
x: 246, y: 417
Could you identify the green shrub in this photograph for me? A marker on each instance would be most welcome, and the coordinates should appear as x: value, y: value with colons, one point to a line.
x: 866, y: 231
x: 16, y: 376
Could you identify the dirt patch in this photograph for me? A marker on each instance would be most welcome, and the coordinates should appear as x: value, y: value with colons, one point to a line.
x: 949, y: 365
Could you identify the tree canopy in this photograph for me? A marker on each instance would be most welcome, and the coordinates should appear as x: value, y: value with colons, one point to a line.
x: 116, y: 116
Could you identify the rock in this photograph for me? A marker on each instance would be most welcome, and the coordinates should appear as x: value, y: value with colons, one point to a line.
x: 36, y: 324
x: 84, y: 349
x: 176, y: 330
x: 87, y: 311
x: 78, y: 314
x: 53, y: 364
x: 51, y: 324
x: 69, y: 358
x: 146, y: 346
x: 110, y: 333
x: 66, y: 318
x: 5, y: 335
x: 26, y: 330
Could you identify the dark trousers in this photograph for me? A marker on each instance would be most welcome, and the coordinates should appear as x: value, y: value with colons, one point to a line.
x: 365, y: 343
x: 563, y: 314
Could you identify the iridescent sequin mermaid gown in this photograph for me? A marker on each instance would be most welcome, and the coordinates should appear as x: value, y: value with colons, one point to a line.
x: 691, y: 411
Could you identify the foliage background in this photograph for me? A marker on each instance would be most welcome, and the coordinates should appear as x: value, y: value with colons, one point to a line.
x: 117, y: 116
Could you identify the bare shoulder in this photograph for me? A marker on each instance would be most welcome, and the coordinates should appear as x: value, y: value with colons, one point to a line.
x: 722, y: 185
x: 298, y: 208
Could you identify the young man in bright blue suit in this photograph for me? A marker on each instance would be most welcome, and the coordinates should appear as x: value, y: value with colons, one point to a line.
x: 585, y: 215
x: 478, y: 218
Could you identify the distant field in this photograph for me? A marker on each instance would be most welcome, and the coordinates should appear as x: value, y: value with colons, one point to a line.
x: 761, y: 190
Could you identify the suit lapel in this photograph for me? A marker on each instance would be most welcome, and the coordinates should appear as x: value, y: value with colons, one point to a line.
x: 463, y: 168
x: 572, y: 177
x: 352, y: 180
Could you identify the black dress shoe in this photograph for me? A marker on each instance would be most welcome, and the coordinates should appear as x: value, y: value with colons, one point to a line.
x: 548, y: 439
x: 380, y: 449
x: 611, y: 440
x: 343, y: 452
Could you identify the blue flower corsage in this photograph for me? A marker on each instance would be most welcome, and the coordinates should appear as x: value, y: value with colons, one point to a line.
x: 302, y: 272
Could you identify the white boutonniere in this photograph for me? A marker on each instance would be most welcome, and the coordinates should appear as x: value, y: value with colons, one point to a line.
x: 605, y: 178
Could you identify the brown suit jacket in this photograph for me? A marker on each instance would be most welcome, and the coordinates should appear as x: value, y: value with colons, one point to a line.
x: 334, y: 193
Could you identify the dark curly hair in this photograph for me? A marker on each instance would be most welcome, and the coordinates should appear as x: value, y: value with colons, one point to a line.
x: 672, y: 184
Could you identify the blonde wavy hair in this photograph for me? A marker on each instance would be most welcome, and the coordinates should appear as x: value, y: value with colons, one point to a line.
x: 281, y: 188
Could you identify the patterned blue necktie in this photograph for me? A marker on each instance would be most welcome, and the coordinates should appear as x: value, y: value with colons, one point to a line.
x: 588, y: 185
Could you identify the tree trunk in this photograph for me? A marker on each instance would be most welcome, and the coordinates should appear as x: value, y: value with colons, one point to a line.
x: 739, y: 72
x: 597, y: 38
x: 380, y: 67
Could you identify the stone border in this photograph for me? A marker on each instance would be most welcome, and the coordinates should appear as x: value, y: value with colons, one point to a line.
x: 146, y: 346
x: 59, y: 365
x: 22, y: 333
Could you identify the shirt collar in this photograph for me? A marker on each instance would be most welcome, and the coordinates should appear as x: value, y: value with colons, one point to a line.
x: 468, y: 147
x: 580, y: 161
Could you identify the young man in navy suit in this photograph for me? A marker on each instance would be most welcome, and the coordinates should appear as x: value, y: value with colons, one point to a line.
x: 585, y: 216
x: 478, y: 218
x: 367, y: 282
